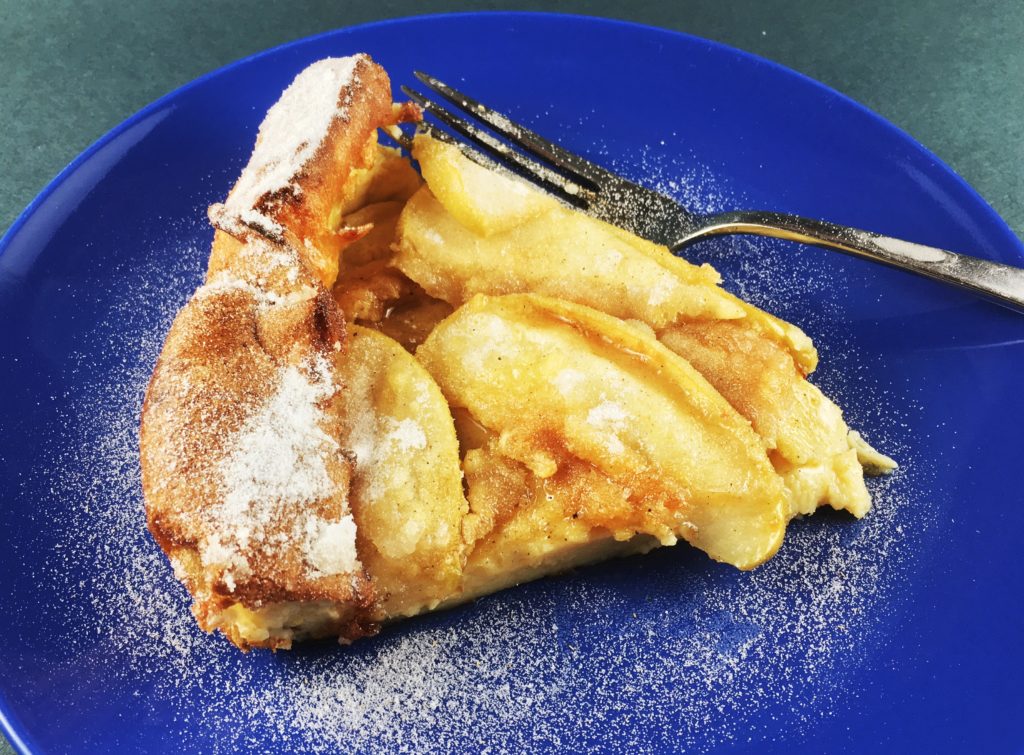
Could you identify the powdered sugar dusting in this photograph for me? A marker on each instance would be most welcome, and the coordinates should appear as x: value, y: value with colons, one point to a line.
x: 277, y: 460
x: 664, y: 651
x: 290, y: 135
x: 662, y: 290
x: 607, y: 413
x: 330, y: 547
x: 279, y: 453
x: 225, y: 281
x: 567, y: 380
x: 380, y: 444
x: 610, y: 417
x: 406, y: 434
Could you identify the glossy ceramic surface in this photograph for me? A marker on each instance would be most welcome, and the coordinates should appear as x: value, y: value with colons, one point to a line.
x: 897, y: 633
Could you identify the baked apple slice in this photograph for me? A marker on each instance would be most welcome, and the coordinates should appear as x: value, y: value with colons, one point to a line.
x: 560, y: 385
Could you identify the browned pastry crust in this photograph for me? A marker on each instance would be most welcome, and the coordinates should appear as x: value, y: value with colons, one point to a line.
x: 279, y: 194
x: 223, y: 359
x: 261, y: 339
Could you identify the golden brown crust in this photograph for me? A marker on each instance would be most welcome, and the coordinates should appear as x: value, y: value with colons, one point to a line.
x: 222, y: 361
x: 274, y: 198
x: 264, y: 331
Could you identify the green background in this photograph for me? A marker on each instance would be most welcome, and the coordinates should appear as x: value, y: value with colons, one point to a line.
x: 950, y: 73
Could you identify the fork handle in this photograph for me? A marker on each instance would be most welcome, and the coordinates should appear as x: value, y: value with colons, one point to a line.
x: 1002, y: 284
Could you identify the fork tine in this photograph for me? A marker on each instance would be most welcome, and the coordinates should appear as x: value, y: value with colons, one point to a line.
x: 564, y: 188
x: 582, y: 170
x: 400, y: 138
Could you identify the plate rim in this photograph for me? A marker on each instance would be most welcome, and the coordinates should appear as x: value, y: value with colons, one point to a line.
x: 988, y: 214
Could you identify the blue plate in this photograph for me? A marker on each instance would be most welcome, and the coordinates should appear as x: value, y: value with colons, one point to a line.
x: 901, y: 632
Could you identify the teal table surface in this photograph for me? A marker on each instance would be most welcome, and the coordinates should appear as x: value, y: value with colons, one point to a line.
x: 949, y: 73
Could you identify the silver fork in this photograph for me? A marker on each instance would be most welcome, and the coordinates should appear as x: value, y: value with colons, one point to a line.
x: 604, y: 195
